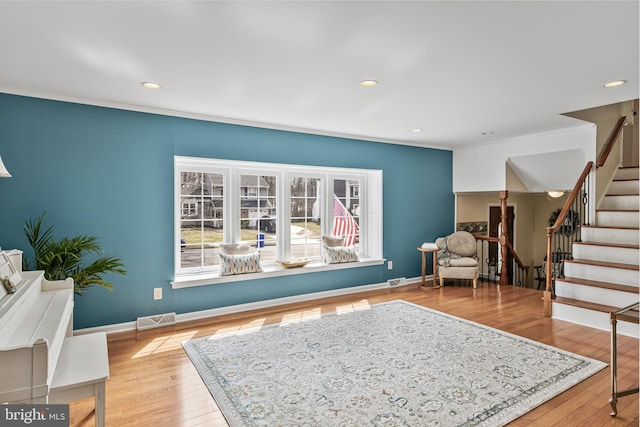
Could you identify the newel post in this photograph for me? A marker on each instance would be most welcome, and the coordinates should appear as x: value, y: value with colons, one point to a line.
x: 547, y: 294
x: 504, y: 233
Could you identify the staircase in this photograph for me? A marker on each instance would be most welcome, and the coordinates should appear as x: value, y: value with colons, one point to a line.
x: 604, y: 274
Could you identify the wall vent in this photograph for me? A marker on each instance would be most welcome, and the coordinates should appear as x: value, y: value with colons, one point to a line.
x: 401, y: 281
x: 156, y: 321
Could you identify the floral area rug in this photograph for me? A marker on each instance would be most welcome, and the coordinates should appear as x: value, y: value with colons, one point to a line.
x: 390, y: 364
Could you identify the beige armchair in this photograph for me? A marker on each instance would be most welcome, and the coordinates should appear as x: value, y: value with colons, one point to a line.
x: 457, y: 257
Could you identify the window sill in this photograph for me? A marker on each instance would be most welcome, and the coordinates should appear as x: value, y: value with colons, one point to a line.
x: 204, y: 279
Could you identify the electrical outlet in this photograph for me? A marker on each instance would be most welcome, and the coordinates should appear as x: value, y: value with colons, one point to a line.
x: 157, y: 293
x: 390, y: 265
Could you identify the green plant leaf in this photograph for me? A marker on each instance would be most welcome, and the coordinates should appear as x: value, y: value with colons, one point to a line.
x: 68, y: 257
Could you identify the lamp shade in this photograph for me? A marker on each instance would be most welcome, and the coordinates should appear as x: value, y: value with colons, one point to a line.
x: 4, y: 173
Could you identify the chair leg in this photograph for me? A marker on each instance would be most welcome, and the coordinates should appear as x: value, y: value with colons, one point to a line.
x: 441, y: 280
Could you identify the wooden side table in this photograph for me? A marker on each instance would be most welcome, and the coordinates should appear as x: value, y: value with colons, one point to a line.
x: 434, y: 250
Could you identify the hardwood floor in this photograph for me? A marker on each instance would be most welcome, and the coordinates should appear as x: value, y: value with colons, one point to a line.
x: 153, y: 383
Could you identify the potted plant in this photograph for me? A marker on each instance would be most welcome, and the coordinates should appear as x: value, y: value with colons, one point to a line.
x: 67, y: 257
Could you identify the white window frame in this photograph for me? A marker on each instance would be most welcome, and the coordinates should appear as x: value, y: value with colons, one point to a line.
x: 370, y: 211
x: 287, y: 198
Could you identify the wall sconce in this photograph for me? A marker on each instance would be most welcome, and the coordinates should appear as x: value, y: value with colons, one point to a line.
x: 4, y: 173
x: 555, y: 194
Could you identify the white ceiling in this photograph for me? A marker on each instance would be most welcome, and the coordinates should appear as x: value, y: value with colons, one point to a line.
x: 454, y: 69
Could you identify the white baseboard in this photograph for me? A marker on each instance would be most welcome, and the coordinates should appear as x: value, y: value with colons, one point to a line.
x: 232, y: 309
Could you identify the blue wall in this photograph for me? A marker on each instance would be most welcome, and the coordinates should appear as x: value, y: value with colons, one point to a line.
x: 109, y: 173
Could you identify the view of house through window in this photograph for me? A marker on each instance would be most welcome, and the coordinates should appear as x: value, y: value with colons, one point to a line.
x: 282, y: 211
x: 258, y: 213
x: 306, y: 218
x: 201, y: 219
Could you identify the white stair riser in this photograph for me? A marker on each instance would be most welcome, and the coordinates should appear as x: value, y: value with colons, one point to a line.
x: 606, y: 253
x: 624, y: 187
x: 619, y: 219
x: 591, y: 318
x: 620, y: 202
x: 622, y: 195
x: 602, y: 274
x: 627, y: 173
x: 610, y: 235
x: 594, y: 294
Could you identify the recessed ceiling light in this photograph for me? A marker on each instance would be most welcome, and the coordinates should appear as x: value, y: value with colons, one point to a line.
x: 417, y: 130
x: 615, y: 83
x: 368, y: 83
x: 150, y: 85
x: 487, y: 133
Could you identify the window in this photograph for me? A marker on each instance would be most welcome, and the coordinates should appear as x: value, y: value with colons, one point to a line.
x: 306, y: 218
x: 280, y: 210
x: 346, y: 209
x: 189, y: 208
x: 201, y: 218
x: 258, y: 213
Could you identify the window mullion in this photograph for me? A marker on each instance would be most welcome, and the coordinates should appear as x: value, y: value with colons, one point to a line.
x: 327, y: 205
x: 283, y: 216
x: 373, y: 223
x: 362, y: 220
x: 177, y: 194
x: 232, y: 206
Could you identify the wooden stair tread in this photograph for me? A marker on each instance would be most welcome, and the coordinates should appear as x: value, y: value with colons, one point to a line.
x: 588, y: 305
x: 603, y: 285
x: 608, y: 245
x: 604, y: 264
x: 602, y: 291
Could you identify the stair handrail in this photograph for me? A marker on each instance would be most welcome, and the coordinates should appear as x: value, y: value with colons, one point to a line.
x: 516, y: 258
x: 560, y: 221
x: 611, y: 141
x: 572, y: 196
x: 582, y: 206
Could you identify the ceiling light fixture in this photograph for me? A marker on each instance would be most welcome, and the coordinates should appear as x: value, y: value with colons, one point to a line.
x: 487, y: 133
x: 417, y: 130
x: 555, y: 194
x: 615, y: 83
x: 150, y: 85
x: 368, y: 83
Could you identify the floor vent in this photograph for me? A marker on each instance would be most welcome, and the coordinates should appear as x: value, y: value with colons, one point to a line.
x: 397, y: 282
x: 156, y: 321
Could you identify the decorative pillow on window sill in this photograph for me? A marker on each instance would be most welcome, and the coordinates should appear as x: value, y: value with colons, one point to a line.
x: 333, y: 241
x: 235, y: 248
x: 340, y: 254
x: 239, y: 264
